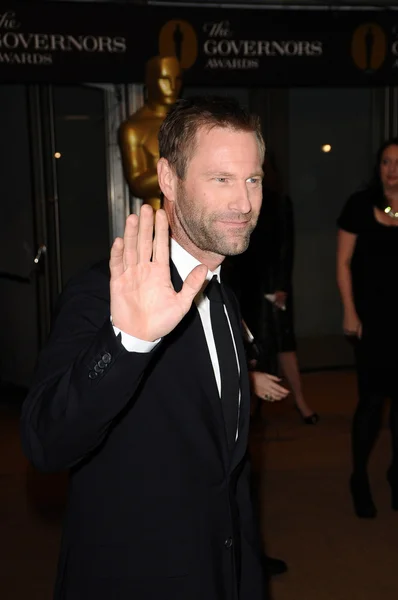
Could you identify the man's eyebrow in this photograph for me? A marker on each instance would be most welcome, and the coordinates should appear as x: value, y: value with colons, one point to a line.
x: 259, y: 173
x: 220, y: 173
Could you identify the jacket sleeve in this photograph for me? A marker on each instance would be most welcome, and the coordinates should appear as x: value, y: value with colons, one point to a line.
x: 84, y: 379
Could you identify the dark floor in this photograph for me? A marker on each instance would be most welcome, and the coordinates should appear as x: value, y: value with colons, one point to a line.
x: 307, y: 515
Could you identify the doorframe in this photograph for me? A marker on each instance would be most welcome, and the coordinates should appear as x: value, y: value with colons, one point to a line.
x: 120, y: 102
x: 47, y: 271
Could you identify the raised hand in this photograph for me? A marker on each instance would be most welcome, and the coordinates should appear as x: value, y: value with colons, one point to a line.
x: 144, y: 303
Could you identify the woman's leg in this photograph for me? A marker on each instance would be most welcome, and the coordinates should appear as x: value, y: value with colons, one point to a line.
x: 365, y: 428
x: 289, y: 366
x: 392, y: 474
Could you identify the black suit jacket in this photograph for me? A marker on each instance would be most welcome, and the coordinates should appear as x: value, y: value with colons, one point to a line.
x: 157, y: 507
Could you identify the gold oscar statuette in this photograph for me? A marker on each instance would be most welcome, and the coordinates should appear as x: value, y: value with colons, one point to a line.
x: 138, y: 134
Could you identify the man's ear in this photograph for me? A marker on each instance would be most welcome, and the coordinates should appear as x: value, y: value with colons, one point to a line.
x: 167, y: 179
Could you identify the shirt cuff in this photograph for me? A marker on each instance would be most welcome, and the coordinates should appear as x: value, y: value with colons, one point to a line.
x: 133, y: 344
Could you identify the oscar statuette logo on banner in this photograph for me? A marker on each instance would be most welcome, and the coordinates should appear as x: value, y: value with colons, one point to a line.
x: 178, y: 38
x: 369, y: 47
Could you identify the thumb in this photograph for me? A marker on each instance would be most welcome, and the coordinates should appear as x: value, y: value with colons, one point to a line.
x: 193, y: 284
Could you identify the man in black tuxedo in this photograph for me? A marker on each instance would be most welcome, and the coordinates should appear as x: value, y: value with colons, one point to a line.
x: 142, y: 389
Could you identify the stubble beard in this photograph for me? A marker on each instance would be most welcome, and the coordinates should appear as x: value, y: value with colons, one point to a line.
x: 202, y: 230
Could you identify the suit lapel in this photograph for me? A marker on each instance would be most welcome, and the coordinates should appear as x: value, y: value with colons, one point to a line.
x: 244, y: 409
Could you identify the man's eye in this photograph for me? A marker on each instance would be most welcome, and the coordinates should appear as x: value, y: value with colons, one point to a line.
x: 254, y: 180
x: 221, y: 179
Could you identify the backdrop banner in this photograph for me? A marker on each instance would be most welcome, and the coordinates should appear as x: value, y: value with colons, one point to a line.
x: 64, y: 42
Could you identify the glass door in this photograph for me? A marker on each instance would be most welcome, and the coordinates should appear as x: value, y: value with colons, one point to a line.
x: 20, y: 242
x: 79, y: 163
x: 323, y: 142
x: 55, y: 214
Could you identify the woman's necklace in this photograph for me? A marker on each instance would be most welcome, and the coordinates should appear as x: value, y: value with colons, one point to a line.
x: 389, y: 211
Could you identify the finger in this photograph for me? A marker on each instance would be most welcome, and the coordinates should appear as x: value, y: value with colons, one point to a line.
x: 275, y: 391
x: 116, y: 259
x: 145, y: 234
x: 273, y: 377
x: 192, y: 286
x: 281, y: 390
x: 359, y: 331
x: 130, y: 241
x: 161, y: 243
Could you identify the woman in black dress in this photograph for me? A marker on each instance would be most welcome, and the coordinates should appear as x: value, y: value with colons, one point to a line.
x: 264, y: 273
x: 367, y: 258
x: 279, y: 218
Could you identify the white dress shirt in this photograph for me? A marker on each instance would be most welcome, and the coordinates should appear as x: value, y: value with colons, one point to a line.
x: 184, y: 263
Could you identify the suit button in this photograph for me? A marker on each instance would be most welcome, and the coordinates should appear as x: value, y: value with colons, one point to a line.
x: 101, y: 364
x: 93, y: 375
x: 228, y: 543
x: 97, y: 369
x: 107, y: 358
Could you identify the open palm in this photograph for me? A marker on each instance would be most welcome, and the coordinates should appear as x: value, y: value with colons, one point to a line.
x: 144, y: 303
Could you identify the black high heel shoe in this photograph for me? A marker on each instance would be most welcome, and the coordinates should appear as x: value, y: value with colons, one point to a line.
x: 393, y: 481
x: 362, y: 498
x: 311, y: 419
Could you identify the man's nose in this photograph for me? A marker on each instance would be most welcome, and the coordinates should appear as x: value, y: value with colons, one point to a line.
x: 240, y: 200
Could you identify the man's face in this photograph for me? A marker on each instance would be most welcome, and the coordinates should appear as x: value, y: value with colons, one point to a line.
x: 218, y: 203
